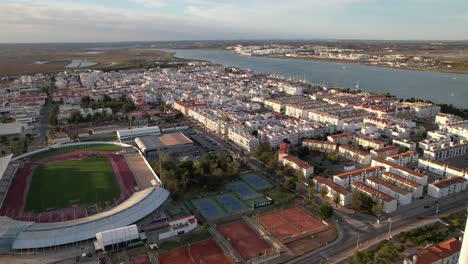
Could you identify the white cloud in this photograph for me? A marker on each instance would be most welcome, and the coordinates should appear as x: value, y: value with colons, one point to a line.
x: 151, y: 3
x: 66, y: 21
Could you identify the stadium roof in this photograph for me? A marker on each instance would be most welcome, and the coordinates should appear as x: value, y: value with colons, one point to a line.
x: 4, y: 161
x: 39, y: 235
x: 11, y: 128
x: 138, y: 132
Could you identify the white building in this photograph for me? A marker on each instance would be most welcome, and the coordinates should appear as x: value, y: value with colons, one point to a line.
x: 447, y: 151
x: 389, y: 203
x: 178, y: 227
x: 354, y: 154
x: 130, y: 134
x: 405, y: 143
x: 242, y: 138
x: 442, y: 169
x: 446, y: 252
x: 333, y: 189
x: 116, y: 239
x: 403, y: 196
x: 322, y: 146
x: 400, y: 170
x: 299, y: 165
x: 405, y: 158
x: 347, y: 178
x: 446, y: 187
x: 415, y: 188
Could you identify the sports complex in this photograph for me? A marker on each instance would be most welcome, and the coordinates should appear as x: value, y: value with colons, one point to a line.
x: 67, y: 193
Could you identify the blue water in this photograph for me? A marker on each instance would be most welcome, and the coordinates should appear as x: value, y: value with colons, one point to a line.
x: 435, y: 86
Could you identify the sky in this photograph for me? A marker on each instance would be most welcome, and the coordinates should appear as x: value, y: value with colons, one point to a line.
x: 31, y: 21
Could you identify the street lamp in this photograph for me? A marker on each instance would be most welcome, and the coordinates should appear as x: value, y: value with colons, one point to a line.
x: 390, y: 229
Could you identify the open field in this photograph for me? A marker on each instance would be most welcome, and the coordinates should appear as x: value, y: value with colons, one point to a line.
x: 19, y: 59
x: 62, y: 184
x: 54, y: 152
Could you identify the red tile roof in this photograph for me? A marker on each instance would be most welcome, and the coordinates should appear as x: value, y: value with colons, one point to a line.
x: 399, y: 167
x: 348, y: 174
x: 438, y: 252
x: 401, y: 179
x: 298, y: 162
x: 374, y: 192
x: 447, y: 182
x: 334, y: 186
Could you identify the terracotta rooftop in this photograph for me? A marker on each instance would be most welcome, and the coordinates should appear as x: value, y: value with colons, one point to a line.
x: 348, y: 174
x: 399, y: 167
x: 401, y: 179
x: 404, y: 154
x: 439, y: 251
x: 334, y: 186
x: 354, y: 150
x: 374, y: 192
x: 388, y: 185
x: 384, y: 149
x: 298, y: 162
x: 447, y: 182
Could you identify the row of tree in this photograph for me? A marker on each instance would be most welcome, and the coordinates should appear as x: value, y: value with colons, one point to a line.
x: 209, y: 174
x: 120, y: 105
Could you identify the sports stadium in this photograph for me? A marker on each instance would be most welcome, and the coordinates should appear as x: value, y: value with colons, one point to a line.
x: 67, y: 193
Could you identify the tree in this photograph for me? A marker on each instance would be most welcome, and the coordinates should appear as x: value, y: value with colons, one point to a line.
x: 336, y: 199
x: 323, y: 192
x: 325, y: 211
x: 290, y: 184
x: 377, y: 208
x: 128, y: 106
x: 362, y: 202
x: 19, y: 147
x: 311, y: 191
x: 356, y: 200
x: 85, y: 101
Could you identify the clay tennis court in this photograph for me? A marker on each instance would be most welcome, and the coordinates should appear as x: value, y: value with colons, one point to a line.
x: 206, y: 251
x: 245, y: 240
x: 290, y: 224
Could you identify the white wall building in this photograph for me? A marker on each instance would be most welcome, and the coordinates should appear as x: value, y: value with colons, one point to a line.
x: 446, y: 187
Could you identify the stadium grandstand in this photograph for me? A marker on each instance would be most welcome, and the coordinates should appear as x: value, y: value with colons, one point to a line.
x: 30, y: 235
x: 7, y: 173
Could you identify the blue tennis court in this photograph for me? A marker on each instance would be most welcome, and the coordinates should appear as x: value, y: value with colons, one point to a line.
x: 230, y: 202
x: 257, y: 182
x: 209, y: 209
x: 244, y: 191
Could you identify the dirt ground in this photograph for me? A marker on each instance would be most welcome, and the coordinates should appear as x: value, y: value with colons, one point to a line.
x: 306, y: 244
x: 20, y: 60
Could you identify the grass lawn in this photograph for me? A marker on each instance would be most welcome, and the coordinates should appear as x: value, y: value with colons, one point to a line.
x: 280, y: 196
x: 191, y: 238
x: 53, y: 152
x: 83, y: 181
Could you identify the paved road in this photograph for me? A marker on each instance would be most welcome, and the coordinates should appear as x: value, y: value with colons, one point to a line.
x: 369, y: 233
x: 43, y: 126
x: 359, y: 231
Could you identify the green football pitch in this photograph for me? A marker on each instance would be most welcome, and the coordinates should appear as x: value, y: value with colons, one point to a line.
x: 65, y: 183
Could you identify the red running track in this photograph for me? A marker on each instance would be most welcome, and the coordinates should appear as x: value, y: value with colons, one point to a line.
x: 16, y: 197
